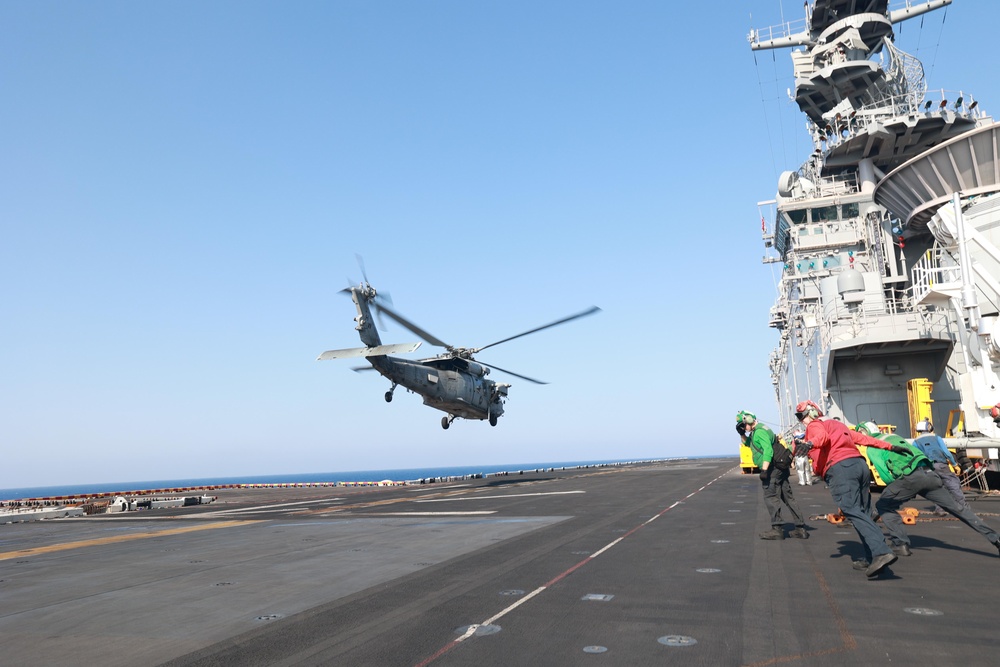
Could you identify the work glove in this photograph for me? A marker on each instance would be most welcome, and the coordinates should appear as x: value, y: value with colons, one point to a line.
x: 741, y: 428
x: 899, y: 449
x: 802, y: 447
x: 765, y: 475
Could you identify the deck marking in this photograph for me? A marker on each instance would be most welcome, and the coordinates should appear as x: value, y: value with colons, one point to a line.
x: 559, y: 577
x: 512, y: 495
x: 476, y: 512
x: 379, y: 503
x: 256, y: 508
x: 114, y: 539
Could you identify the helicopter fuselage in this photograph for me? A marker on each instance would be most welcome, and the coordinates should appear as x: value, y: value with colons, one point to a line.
x: 445, y: 385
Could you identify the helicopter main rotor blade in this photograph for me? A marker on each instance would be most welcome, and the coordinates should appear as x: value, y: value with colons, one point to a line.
x: 589, y: 311
x: 361, y: 265
x: 517, y: 375
x: 412, y: 327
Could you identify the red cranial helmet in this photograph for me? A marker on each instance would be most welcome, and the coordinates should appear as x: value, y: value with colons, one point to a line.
x: 807, y: 409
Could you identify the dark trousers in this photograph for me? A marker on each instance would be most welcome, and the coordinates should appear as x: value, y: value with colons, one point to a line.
x: 849, y: 482
x: 951, y: 482
x: 778, y: 491
x: 924, y: 482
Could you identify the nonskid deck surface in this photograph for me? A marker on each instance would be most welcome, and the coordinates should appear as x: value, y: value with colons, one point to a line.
x: 657, y: 563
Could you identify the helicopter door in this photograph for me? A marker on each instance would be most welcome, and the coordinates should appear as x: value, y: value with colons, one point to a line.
x: 479, y: 395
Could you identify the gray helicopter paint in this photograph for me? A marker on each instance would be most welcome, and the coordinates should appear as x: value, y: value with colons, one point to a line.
x: 454, y: 382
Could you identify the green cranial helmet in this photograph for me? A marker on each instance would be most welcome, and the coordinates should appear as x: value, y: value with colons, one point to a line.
x: 868, y: 428
x: 744, y: 417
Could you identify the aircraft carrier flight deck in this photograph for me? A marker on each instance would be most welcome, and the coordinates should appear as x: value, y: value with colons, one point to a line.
x: 654, y: 563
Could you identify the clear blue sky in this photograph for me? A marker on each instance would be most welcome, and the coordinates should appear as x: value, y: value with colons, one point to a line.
x: 185, y: 185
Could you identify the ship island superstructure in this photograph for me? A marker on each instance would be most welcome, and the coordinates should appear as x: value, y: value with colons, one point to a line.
x: 888, y: 235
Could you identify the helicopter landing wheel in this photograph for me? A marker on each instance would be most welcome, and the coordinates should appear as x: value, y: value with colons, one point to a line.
x: 388, y: 397
x: 493, y: 420
x: 445, y: 423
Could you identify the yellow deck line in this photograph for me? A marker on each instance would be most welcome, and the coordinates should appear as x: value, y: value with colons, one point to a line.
x: 65, y: 546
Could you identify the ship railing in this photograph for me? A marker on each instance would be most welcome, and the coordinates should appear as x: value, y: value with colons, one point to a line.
x: 892, y: 318
x: 777, y: 32
x: 824, y: 186
x: 942, y: 102
x: 931, y: 279
x: 837, y: 185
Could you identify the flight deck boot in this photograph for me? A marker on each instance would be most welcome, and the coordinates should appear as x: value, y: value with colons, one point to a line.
x: 776, y: 533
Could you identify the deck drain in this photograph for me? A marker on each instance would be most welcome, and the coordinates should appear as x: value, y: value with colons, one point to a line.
x: 720, y: 541
x: 512, y: 591
x: 595, y: 649
x: 269, y: 617
x: 677, y: 640
x: 597, y: 597
x: 225, y: 583
x: 923, y: 611
x: 707, y: 570
x: 480, y: 630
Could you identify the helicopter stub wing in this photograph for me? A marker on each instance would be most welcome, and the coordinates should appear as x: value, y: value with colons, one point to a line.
x: 376, y: 351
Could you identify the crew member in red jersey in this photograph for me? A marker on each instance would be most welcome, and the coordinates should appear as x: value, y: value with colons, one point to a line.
x: 835, y: 457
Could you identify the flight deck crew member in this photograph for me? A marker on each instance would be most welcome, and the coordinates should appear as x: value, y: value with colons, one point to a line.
x: 933, y: 448
x: 835, y: 457
x: 908, y: 474
x: 774, y: 462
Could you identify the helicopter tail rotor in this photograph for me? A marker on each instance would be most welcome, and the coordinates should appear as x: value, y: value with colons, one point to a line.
x: 374, y: 297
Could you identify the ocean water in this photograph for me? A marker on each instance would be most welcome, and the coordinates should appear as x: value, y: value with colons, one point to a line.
x: 396, y: 475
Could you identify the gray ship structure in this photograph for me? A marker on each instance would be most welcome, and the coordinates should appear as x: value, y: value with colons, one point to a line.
x: 887, y: 236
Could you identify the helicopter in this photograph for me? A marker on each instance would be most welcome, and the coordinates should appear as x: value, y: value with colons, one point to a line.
x: 453, y: 382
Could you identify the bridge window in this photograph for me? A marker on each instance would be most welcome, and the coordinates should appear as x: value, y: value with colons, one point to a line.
x: 824, y: 214
x: 796, y: 217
